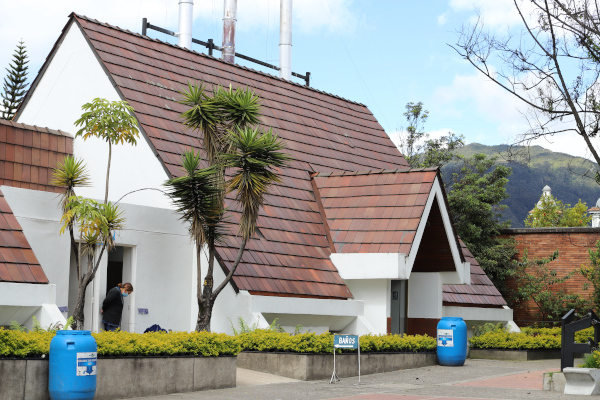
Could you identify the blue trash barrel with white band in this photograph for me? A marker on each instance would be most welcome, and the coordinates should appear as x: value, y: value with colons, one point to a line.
x: 73, y: 366
x: 452, y: 341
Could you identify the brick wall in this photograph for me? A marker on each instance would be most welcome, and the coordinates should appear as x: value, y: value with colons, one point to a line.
x: 572, y: 244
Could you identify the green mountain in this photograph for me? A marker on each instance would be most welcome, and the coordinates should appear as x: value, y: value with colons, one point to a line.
x: 536, y: 168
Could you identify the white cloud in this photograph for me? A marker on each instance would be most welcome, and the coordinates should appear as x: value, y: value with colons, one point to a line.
x: 500, y: 112
x: 483, y: 96
x: 442, y: 19
x: 495, y: 13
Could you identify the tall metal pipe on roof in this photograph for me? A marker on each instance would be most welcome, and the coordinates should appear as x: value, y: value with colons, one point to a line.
x: 186, y: 18
x: 229, y: 18
x: 285, y: 40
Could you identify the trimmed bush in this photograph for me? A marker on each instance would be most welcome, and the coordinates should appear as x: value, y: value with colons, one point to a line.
x: 505, y: 340
x: 205, y: 344
x: 21, y: 344
x: 114, y: 344
x: 529, y: 339
x: 35, y: 344
x: 268, y: 340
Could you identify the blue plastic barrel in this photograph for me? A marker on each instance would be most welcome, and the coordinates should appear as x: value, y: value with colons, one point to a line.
x: 73, y: 357
x: 452, y: 341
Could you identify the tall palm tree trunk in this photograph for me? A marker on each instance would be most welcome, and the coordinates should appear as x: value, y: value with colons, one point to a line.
x: 108, y: 172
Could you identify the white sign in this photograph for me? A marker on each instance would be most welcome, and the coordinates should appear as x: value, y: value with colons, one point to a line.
x: 86, y: 363
x: 445, y: 337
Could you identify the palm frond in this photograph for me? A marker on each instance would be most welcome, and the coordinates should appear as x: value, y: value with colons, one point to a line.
x: 254, y: 159
x: 70, y: 173
x: 197, y: 197
x: 203, y: 115
x: 240, y: 107
x: 96, y: 221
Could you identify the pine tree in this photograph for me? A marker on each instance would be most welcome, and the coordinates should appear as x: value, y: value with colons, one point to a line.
x: 14, y: 82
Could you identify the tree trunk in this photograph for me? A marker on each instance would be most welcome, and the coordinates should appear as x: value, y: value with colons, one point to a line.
x: 79, y: 312
x: 205, y: 308
x: 108, y: 171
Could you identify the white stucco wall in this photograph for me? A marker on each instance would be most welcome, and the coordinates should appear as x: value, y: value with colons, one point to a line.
x: 425, y: 295
x: 73, y: 78
x: 375, y: 293
x: 162, y: 260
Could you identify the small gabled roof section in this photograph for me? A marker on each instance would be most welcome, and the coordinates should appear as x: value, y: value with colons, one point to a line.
x: 480, y: 293
x: 400, y: 213
x: 374, y: 211
x: 29, y: 153
x: 18, y: 263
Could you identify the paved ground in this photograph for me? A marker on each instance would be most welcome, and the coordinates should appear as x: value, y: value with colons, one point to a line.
x: 476, y: 380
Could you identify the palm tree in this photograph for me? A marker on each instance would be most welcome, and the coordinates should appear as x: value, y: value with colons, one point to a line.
x: 232, y: 143
x: 70, y: 173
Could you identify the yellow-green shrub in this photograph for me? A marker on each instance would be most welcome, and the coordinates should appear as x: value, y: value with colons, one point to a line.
x: 505, y: 340
x: 21, y: 344
x: 206, y: 344
x: 268, y: 340
x: 391, y: 343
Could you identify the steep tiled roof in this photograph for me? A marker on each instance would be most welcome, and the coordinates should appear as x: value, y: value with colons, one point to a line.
x: 480, y: 293
x: 28, y: 154
x: 374, y: 211
x: 17, y: 261
x: 323, y: 133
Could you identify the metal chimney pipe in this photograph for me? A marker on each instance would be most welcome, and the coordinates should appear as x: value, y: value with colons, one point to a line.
x: 285, y: 40
x: 186, y: 18
x: 229, y: 18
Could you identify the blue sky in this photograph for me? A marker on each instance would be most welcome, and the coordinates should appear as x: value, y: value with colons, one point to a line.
x: 381, y: 53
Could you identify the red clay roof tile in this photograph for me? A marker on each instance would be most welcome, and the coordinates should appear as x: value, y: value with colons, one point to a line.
x: 17, y: 261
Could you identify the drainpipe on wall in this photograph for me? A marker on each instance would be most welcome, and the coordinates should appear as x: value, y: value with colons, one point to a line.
x: 285, y: 40
x: 229, y: 19
x: 186, y: 17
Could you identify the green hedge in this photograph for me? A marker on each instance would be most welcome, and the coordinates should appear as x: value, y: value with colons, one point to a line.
x: 35, y: 344
x: 32, y: 344
x: 529, y: 338
x: 268, y: 340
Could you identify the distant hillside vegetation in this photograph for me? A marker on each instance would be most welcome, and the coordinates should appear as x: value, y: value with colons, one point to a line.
x: 562, y: 172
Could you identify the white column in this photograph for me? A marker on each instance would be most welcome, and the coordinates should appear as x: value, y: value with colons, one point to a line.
x: 229, y: 19
x: 186, y: 18
x: 285, y: 40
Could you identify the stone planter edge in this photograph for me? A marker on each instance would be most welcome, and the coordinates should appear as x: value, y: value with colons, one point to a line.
x: 145, y: 376
x: 514, y: 354
x: 310, y: 366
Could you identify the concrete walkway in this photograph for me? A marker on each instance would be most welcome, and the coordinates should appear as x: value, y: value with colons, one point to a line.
x: 476, y: 380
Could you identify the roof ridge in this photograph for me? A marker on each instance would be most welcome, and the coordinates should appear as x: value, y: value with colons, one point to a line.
x: 373, y: 172
x: 35, y: 128
x: 214, y: 58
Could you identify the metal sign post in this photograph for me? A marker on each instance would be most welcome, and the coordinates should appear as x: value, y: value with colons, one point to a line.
x: 344, y: 342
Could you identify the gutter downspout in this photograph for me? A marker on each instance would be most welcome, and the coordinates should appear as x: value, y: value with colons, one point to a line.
x: 285, y: 40
x: 229, y: 19
x: 186, y: 18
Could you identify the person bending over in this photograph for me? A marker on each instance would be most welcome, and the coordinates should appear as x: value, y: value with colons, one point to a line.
x: 112, y: 307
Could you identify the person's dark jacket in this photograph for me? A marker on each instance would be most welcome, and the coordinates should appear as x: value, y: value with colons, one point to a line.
x: 113, y: 306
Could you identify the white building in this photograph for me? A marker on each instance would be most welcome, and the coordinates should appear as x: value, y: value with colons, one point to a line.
x: 351, y: 241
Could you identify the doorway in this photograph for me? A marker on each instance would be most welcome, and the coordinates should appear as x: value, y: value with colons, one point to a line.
x: 119, y: 270
x: 398, y: 307
x: 114, y: 268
